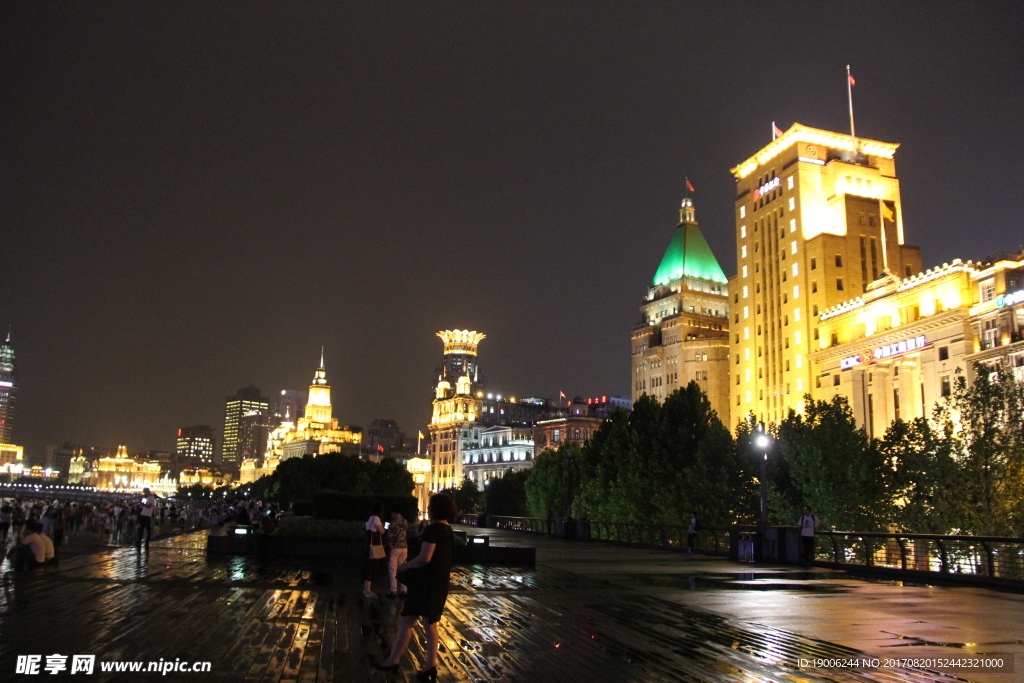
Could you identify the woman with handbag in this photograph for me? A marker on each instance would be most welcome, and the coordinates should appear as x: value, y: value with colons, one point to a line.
x: 374, y: 567
x: 427, y: 576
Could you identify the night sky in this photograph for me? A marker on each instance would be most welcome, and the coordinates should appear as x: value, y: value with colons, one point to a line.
x: 196, y: 196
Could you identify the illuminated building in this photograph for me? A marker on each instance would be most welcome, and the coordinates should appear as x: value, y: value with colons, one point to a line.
x: 893, y: 352
x: 578, y: 422
x: 288, y: 405
x: 818, y: 220
x: 419, y: 468
x: 683, y: 331
x: 246, y: 402
x: 195, y: 444
x: 315, y: 433
x: 204, y: 476
x: 501, y: 448
x: 124, y: 473
x: 457, y: 406
x: 8, y: 390
x: 998, y: 316
x: 12, y: 459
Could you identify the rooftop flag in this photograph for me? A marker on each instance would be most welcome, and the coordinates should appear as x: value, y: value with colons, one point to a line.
x: 776, y: 131
x: 689, y: 186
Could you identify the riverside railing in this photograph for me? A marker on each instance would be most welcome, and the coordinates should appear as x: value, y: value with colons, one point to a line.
x: 989, y: 557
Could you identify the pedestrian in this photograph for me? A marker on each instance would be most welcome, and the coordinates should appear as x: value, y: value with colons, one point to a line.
x: 691, y: 533
x: 145, y: 519
x: 18, y: 523
x: 59, y: 524
x: 807, y: 524
x: 35, y: 549
x: 373, y: 568
x: 427, y: 577
x: 6, y: 516
x: 398, y: 550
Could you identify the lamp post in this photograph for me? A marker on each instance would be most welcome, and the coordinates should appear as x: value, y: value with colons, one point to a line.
x: 764, y: 442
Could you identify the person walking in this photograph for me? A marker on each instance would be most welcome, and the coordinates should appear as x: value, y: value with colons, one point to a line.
x: 373, y: 569
x: 397, y: 542
x: 427, y: 576
x: 145, y: 519
x: 691, y: 533
x: 6, y: 516
x: 807, y: 524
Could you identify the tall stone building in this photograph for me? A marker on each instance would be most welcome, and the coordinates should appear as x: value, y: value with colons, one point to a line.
x: 818, y: 220
x: 457, y: 407
x: 684, y: 321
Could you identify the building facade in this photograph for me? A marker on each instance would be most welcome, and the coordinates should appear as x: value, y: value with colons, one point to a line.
x: 682, y: 335
x: 997, y: 317
x: 818, y: 219
x: 501, y: 448
x: 238, y: 438
x: 195, y: 445
x: 457, y: 407
x: 8, y: 391
x: 122, y: 472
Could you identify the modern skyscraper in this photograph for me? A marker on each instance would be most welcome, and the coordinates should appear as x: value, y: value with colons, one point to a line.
x: 247, y: 403
x: 684, y: 321
x: 8, y: 390
x: 195, y: 445
x: 818, y: 221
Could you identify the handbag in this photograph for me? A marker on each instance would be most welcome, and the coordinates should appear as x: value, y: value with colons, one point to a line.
x: 376, y: 549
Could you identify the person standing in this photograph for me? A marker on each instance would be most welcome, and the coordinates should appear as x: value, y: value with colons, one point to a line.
x: 807, y: 524
x: 373, y: 569
x: 691, y: 533
x: 398, y: 543
x: 145, y: 518
x: 6, y: 515
x: 428, y: 587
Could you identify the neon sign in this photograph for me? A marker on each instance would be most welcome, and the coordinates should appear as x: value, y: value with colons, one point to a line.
x: 767, y: 187
x: 1010, y: 299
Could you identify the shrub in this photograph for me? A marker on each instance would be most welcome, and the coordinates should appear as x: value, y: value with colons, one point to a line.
x: 303, y: 508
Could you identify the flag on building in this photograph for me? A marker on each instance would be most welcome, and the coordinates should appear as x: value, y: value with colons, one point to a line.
x: 689, y: 185
x: 561, y: 394
x: 776, y: 131
x: 380, y: 448
x: 421, y: 434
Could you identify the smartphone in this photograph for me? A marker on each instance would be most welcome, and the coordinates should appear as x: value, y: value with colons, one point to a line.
x: 387, y: 525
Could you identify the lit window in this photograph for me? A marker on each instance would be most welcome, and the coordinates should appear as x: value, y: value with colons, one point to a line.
x: 746, y: 353
x: 792, y: 225
x: 746, y: 291
x: 799, y: 361
x: 746, y: 333
x: 792, y: 203
x: 743, y: 212
x: 796, y: 315
x: 800, y: 384
x: 796, y: 337
x: 789, y: 182
x: 792, y: 248
x: 796, y: 269
x: 743, y: 251
x: 744, y: 271
x: 796, y: 290
x: 748, y: 395
x: 746, y: 374
x: 743, y: 231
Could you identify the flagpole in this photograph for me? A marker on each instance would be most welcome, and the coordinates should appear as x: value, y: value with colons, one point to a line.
x: 849, y: 97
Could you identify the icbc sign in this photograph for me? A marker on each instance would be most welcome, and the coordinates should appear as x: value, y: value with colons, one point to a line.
x: 766, y: 188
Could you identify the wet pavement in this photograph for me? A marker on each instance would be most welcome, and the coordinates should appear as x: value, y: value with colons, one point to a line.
x: 587, y: 612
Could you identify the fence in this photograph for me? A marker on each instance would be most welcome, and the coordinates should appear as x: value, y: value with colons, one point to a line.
x: 990, y: 557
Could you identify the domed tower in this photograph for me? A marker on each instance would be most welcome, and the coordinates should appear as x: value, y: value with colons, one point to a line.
x: 453, y: 425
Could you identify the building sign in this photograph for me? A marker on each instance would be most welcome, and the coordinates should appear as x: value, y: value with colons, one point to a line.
x: 1004, y: 300
x: 895, y: 349
x: 766, y: 188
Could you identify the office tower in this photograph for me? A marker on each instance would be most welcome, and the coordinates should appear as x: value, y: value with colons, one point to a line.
x: 247, y: 403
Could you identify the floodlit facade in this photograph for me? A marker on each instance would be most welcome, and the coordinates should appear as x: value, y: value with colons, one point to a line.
x: 997, y: 317
x: 682, y: 335
x: 818, y: 219
x: 501, y: 448
x: 123, y: 473
x: 457, y: 407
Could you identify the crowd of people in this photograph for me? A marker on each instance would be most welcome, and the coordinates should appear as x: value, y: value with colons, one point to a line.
x: 32, y: 530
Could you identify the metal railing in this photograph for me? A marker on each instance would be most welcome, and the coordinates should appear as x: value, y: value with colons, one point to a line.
x: 992, y: 557
x: 710, y: 540
x: 539, y: 525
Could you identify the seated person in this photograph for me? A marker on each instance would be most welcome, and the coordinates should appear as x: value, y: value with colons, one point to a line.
x: 33, y: 549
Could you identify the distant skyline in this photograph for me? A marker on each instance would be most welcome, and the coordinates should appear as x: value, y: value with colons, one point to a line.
x: 197, y: 196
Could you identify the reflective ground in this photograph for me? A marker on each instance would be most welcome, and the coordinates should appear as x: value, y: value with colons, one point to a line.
x: 587, y: 612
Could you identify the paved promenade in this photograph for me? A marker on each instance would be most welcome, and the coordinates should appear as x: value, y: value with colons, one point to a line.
x: 588, y: 612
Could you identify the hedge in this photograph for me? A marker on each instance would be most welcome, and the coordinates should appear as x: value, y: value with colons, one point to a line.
x: 351, y: 506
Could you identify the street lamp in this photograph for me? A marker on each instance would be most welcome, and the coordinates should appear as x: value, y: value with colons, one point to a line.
x: 764, y: 442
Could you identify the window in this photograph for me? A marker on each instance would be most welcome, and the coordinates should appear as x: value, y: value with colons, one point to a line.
x: 792, y: 203
x: 797, y: 337
x: 792, y: 248
x: 988, y: 290
x: 746, y: 333
x: 814, y: 287
x: 796, y: 269
x: 746, y: 291
x: 746, y: 312
x: 839, y: 260
x: 906, y: 269
x: 835, y: 380
x: 814, y: 264
x: 947, y: 386
x: 743, y: 212
x: 839, y: 284
x: 990, y: 334
x: 743, y: 251
x: 743, y: 231
x: 746, y: 353
x: 746, y: 374
x: 744, y: 271
x: 796, y: 314
x: 799, y: 360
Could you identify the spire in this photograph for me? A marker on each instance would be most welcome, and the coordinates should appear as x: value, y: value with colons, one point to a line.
x: 8, y: 334
x: 320, y: 376
x: 321, y: 357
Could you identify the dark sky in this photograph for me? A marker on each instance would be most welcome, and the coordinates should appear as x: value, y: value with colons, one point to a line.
x: 196, y: 196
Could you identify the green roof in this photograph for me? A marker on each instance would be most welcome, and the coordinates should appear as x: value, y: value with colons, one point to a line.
x: 688, y: 255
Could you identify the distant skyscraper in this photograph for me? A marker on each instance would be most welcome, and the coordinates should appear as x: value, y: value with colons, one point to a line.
x: 195, y: 443
x: 247, y: 403
x: 8, y: 390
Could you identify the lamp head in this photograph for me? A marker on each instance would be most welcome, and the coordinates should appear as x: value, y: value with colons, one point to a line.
x: 763, y: 441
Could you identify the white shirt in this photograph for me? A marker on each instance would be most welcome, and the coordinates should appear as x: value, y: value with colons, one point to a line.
x: 373, y: 524
x: 147, y: 506
x: 807, y: 524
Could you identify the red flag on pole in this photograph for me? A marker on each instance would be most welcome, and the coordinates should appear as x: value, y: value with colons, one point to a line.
x: 776, y: 131
x: 689, y: 185
x: 853, y: 81
x: 561, y: 394
x: 380, y: 448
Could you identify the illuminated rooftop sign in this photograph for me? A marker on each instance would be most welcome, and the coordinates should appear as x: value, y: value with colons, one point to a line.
x: 766, y: 188
x: 1004, y: 300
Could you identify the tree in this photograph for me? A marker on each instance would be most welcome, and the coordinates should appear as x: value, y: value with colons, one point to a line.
x: 467, y: 496
x: 547, y: 489
x: 507, y: 496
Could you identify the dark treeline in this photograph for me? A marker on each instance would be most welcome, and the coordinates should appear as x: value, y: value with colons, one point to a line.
x: 961, y: 471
